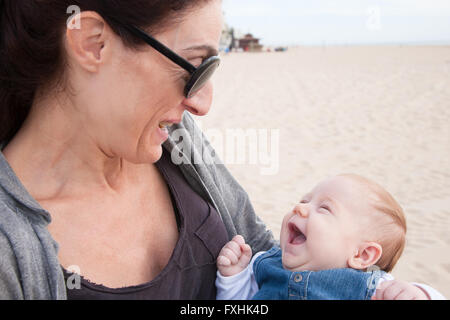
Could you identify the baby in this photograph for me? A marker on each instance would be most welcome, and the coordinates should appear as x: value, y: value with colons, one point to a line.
x: 329, y: 243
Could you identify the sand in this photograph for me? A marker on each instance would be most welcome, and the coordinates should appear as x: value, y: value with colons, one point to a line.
x: 382, y: 112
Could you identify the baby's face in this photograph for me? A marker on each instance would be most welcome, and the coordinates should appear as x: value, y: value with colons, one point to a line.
x: 324, y: 229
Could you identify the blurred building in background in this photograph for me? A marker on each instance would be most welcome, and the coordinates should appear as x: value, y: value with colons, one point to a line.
x: 250, y: 44
x: 234, y: 40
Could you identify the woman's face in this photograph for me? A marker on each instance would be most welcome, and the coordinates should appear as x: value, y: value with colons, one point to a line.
x: 143, y: 90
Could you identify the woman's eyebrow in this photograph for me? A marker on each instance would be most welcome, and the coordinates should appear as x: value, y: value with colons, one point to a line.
x: 210, y: 50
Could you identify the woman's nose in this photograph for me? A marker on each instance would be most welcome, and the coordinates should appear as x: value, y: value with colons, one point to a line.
x: 200, y: 103
x: 302, y: 210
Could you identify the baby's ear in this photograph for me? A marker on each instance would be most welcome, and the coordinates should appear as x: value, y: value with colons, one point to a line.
x: 365, y: 256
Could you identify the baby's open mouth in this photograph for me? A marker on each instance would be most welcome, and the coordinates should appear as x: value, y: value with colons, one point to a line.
x: 296, y: 237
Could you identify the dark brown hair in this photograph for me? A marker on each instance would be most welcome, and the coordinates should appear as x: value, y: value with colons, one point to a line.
x: 31, y: 46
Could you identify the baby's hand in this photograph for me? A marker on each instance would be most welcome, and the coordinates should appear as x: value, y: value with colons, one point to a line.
x: 399, y: 290
x: 234, y: 257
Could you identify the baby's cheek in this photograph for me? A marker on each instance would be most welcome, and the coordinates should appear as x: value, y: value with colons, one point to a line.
x: 327, y: 245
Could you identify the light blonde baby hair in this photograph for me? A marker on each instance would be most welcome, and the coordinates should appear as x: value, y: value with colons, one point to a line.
x: 390, y: 233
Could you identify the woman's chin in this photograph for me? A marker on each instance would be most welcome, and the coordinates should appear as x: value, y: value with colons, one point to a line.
x: 147, y: 154
x: 150, y: 151
x: 154, y: 154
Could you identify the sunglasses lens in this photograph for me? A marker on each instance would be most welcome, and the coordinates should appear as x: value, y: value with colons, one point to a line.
x: 201, y: 76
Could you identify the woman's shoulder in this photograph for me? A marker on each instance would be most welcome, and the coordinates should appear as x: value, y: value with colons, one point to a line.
x: 17, y: 228
x: 24, y: 265
x: 12, y: 227
x: 10, y: 230
x: 9, y: 212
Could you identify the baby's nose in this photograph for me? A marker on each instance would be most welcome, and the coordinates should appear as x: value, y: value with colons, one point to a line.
x: 302, y: 210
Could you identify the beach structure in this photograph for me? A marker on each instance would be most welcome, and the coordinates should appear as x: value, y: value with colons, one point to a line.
x: 250, y: 43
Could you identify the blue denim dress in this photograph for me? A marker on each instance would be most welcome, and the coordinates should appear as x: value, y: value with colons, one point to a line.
x: 276, y: 283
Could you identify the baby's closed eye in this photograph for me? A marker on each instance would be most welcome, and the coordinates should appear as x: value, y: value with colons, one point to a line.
x: 326, y: 208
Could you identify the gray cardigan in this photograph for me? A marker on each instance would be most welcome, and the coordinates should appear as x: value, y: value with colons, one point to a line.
x: 29, y: 266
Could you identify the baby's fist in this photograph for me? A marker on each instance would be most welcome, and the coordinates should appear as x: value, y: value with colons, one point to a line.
x: 234, y: 257
x: 399, y: 290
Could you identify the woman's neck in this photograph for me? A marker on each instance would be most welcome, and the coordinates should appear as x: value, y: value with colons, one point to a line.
x: 55, y: 157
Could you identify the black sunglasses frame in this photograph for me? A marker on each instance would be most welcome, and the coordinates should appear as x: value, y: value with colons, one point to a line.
x: 196, y: 74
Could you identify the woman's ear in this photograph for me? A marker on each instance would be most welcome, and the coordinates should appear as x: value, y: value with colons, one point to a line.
x: 365, y: 256
x: 86, y: 43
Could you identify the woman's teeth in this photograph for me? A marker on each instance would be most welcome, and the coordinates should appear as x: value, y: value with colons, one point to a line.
x: 164, y: 125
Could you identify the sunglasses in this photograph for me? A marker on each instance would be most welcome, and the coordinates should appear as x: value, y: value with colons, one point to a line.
x: 198, y: 76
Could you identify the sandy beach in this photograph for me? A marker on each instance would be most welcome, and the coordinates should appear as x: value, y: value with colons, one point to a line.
x: 382, y: 112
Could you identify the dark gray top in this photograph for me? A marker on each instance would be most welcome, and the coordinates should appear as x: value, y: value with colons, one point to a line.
x: 191, y: 271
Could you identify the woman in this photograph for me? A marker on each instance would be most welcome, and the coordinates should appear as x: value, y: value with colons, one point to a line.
x: 86, y: 177
x: 83, y: 112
